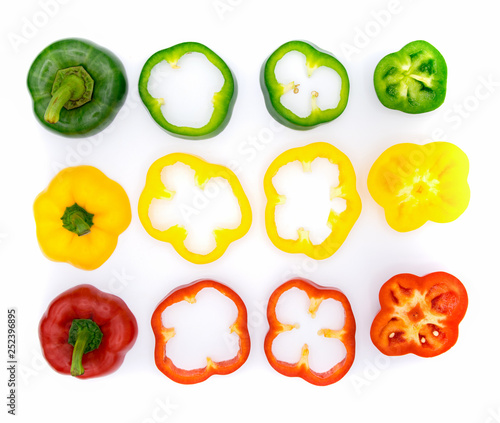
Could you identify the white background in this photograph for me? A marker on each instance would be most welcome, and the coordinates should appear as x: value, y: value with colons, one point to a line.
x: 460, y: 386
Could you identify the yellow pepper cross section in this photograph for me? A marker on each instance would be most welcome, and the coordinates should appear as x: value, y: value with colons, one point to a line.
x: 81, y: 196
x: 339, y: 223
x: 416, y: 183
x: 176, y: 235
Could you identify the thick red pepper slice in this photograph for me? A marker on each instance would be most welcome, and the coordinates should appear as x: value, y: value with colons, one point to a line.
x: 419, y: 315
x: 164, y: 334
x: 110, y: 313
x: 346, y: 335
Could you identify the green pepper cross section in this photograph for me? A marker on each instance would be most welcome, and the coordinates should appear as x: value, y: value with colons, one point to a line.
x: 413, y: 79
x: 281, y: 80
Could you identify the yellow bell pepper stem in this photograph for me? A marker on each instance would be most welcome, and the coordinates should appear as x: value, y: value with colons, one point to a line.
x: 79, y: 217
x: 339, y: 223
x: 78, y: 220
x: 176, y: 235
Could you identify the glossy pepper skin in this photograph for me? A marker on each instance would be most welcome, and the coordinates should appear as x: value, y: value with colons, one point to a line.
x: 317, y: 294
x: 223, y: 100
x: 79, y: 217
x: 106, y: 97
x: 109, y: 312
x: 273, y: 90
x: 164, y: 334
x: 176, y: 235
x: 419, y: 315
x: 340, y: 223
x: 413, y: 79
x: 419, y: 183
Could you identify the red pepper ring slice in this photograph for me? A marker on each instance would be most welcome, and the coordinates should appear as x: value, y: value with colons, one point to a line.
x: 163, y: 335
x: 419, y: 315
x: 346, y: 335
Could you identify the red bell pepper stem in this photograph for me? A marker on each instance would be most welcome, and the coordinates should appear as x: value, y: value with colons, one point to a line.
x: 76, y: 359
x: 85, y: 336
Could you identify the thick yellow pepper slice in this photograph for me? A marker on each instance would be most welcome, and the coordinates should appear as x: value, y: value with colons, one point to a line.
x: 79, y: 217
x: 416, y: 183
x: 339, y: 223
x: 176, y: 235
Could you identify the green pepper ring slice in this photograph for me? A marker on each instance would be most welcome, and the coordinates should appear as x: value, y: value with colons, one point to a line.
x: 109, y: 93
x: 273, y: 90
x: 223, y: 100
x: 413, y: 79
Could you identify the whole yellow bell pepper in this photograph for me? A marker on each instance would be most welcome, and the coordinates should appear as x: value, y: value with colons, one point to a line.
x: 339, y: 223
x: 416, y: 183
x: 79, y: 217
x: 177, y: 234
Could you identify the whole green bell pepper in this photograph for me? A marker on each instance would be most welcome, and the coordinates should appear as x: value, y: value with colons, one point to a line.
x: 223, y: 101
x: 77, y: 87
x: 273, y: 90
x: 413, y: 79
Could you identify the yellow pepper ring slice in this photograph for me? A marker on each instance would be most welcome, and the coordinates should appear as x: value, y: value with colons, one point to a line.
x: 416, y: 183
x: 339, y: 223
x: 176, y: 235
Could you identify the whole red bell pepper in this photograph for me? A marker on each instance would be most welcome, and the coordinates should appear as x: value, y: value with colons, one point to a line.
x: 86, y: 332
x: 164, y: 334
x: 317, y: 294
x: 419, y: 315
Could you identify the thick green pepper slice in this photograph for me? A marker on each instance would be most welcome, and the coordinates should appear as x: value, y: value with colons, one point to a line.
x: 273, y: 90
x: 223, y: 101
x: 413, y: 79
x: 77, y: 87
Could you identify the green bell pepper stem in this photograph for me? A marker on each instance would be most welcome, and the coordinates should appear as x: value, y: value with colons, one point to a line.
x: 77, y: 220
x: 272, y: 89
x: 223, y: 101
x: 71, y: 88
x: 85, y: 336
